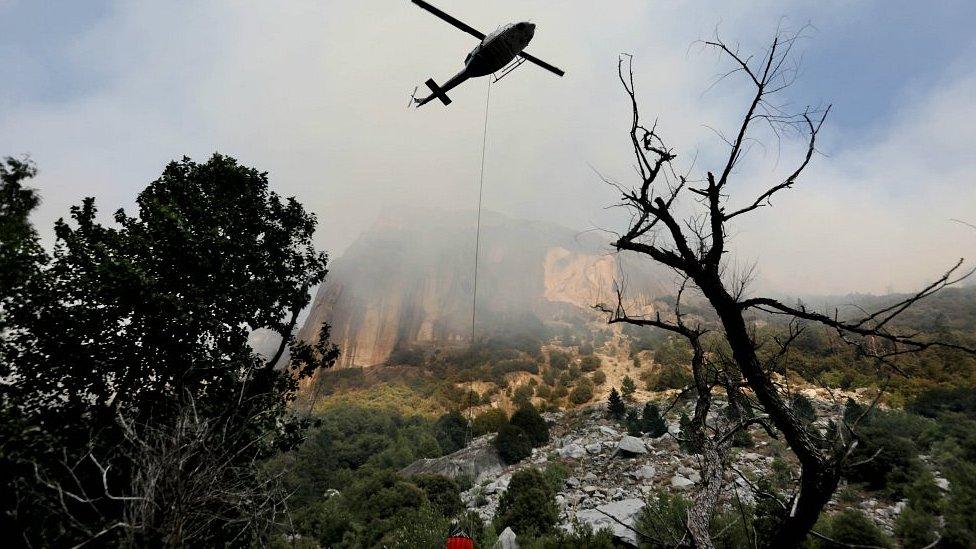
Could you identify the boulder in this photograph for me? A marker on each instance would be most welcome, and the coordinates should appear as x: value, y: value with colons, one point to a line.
x: 631, y: 445
x: 506, y: 540
x: 573, y: 482
x: 594, y: 448
x: 572, y: 451
x: 625, y: 510
x: 477, y: 461
x: 679, y: 482
x: 499, y: 485
x: 609, y: 431
x: 645, y: 472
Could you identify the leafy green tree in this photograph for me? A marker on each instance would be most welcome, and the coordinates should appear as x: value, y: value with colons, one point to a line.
x: 615, y: 405
x: 652, y: 422
x: 513, y: 444
x: 531, y: 422
x: 21, y: 254
x: 488, y: 421
x: 451, y: 430
x: 144, y: 319
x: 528, y: 506
x: 627, y: 386
x: 442, y: 493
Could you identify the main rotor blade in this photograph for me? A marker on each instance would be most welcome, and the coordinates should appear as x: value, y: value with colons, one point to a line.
x: 551, y: 68
x: 456, y: 22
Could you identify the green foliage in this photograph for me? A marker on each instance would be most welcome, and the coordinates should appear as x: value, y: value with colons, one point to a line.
x: 326, y: 521
x: 530, y: 421
x: 421, y: 528
x: 663, y: 518
x: 582, y: 393
x: 627, y: 386
x: 887, y: 450
x: 556, y: 474
x: 451, y: 430
x: 915, y: 528
x: 442, y: 493
x: 599, y: 378
x: 582, y: 536
x: 558, y: 360
x: 615, y: 405
x: 652, y: 422
x: 489, y: 421
x: 523, y: 395
x: 502, y: 367
x: 803, y: 408
x: 528, y: 507
x: 633, y: 423
x: 851, y: 527
x: 143, y: 320
x: 590, y: 363
x: 690, y: 439
x: 513, y: 444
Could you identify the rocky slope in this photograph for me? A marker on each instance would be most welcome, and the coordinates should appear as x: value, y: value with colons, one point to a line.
x: 409, y: 280
x: 613, y: 474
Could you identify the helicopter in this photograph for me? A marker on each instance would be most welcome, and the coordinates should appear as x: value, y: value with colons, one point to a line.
x: 502, y: 49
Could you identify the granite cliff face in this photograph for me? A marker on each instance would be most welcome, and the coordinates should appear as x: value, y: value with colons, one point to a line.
x: 409, y: 280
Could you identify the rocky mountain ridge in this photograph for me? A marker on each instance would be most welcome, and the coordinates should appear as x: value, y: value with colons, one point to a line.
x: 410, y: 280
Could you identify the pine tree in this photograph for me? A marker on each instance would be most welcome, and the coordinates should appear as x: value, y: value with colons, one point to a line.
x: 651, y: 421
x: 633, y: 423
x: 628, y: 387
x: 615, y: 405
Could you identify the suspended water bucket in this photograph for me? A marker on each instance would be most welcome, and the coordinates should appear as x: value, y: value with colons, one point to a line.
x: 460, y: 541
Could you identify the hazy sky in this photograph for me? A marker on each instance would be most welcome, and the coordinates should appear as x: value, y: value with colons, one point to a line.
x: 102, y: 94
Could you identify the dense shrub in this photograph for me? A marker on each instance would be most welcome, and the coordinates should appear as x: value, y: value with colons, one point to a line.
x: 599, y: 378
x: 853, y: 528
x: 558, y: 360
x: 512, y: 443
x: 530, y: 421
x: 665, y: 515
x: 582, y: 393
x: 488, y: 421
x: 523, y: 394
x: 803, y: 408
x: 442, y: 493
x: 669, y: 377
x: 590, y: 363
x: 502, y: 367
x: 528, y: 507
x: 451, y: 430
x: 633, y: 423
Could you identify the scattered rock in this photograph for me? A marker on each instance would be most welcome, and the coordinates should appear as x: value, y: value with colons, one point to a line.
x: 573, y: 482
x: 750, y: 456
x: 477, y: 461
x: 609, y: 431
x: 594, y: 448
x: 942, y: 483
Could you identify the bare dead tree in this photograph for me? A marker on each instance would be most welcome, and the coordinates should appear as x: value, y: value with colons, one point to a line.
x: 695, y: 248
x: 187, y: 481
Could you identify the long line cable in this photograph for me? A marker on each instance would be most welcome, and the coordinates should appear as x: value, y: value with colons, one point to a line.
x: 477, y: 238
x: 477, y: 244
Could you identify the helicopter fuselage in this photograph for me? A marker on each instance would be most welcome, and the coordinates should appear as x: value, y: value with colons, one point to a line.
x: 494, y: 52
